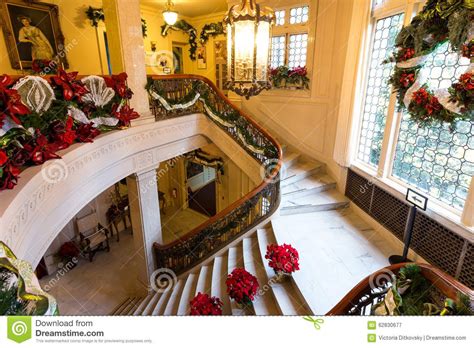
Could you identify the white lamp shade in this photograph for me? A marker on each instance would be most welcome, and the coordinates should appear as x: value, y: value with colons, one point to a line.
x: 170, y: 17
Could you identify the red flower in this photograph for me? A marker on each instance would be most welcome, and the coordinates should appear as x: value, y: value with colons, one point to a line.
x: 407, y: 79
x: 3, y: 158
x: 71, y: 88
x: 427, y: 102
x: 86, y: 133
x: 405, y: 54
x: 282, y: 258
x: 9, y: 177
x: 300, y: 71
x: 124, y: 113
x: 42, y: 151
x: 119, y: 84
x: 242, y: 286
x: 468, y: 50
x: 62, y: 133
x: 203, y: 304
x: 466, y: 81
x: 10, y: 101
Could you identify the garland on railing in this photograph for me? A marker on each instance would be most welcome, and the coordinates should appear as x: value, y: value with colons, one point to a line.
x: 228, y: 119
x: 439, y: 22
x: 35, y: 126
x: 188, y: 29
x: 95, y: 15
x: 201, y: 157
x: 211, y: 30
x: 20, y: 291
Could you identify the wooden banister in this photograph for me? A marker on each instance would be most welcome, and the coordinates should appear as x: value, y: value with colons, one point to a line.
x: 186, y: 244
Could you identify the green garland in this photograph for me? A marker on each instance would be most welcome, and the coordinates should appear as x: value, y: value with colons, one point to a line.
x: 439, y: 22
x: 211, y: 30
x: 96, y: 15
x: 184, y: 26
x: 411, y: 294
x: 230, y: 116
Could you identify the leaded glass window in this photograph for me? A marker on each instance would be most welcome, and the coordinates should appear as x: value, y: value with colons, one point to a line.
x: 280, y: 17
x: 299, y: 15
x: 435, y: 159
x: 277, y: 57
x: 377, y: 95
x: 297, y: 50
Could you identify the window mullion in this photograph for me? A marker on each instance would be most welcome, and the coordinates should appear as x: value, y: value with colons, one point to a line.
x: 468, y: 213
x: 392, y: 122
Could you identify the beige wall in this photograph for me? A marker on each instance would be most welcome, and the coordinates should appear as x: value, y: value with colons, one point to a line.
x: 307, y: 120
x: 79, y: 35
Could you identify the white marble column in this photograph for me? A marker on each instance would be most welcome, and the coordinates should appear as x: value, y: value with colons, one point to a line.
x: 146, y: 222
x: 127, y: 53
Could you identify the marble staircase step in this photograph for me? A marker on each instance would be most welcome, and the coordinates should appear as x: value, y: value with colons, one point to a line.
x: 264, y: 302
x: 312, y: 184
x: 188, y: 294
x: 321, y: 201
x: 160, y: 306
x: 148, y: 310
x: 290, y: 158
x: 218, y: 288
x: 132, y: 306
x: 235, y: 260
x: 142, y: 305
x: 120, y: 308
x: 173, y: 302
x: 204, y: 282
x: 288, y: 296
x: 300, y: 170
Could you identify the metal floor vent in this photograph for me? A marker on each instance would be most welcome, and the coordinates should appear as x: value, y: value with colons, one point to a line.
x: 431, y: 240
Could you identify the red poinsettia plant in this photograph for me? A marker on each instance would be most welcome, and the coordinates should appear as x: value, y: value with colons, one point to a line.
x: 462, y: 92
x: 203, y: 304
x: 242, y: 286
x: 467, y: 50
x: 404, y: 54
x: 282, y: 258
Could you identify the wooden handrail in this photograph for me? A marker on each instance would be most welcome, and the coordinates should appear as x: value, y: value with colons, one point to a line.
x: 446, y: 284
x: 249, y: 195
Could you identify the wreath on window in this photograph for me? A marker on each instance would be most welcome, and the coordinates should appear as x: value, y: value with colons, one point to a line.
x: 439, y: 22
x: 188, y: 29
x: 211, y: 29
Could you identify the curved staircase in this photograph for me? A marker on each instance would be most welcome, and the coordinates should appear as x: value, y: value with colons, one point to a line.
x: 305, y: 188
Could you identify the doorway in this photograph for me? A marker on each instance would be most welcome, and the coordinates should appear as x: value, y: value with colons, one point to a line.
x: 178, y: 61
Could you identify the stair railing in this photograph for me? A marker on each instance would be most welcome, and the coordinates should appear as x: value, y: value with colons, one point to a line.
x: 179, y: 95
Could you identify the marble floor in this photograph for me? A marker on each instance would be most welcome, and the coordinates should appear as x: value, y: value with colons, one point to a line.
x: 337, y: 250
x: 96, y: 288
x: 178, y: 224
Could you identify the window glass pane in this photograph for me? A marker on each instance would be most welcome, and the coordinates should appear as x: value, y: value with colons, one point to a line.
x: 377, y: 95
x: 280, y: 17
x: 277, y: 51
x: 298, y: 49
x: 299, y: 15
x: 434, y: 159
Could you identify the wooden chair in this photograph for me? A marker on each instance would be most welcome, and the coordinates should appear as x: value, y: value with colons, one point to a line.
x: 93, y: 237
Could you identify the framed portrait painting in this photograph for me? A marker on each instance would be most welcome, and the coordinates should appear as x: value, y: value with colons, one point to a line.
x: 32, y: 33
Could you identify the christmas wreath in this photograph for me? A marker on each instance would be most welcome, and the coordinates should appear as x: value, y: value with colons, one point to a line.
x: 212, y: 29
x: 33, y: 130
x: 188, y: 29
x: 440, y: 22
x: 95, y: 15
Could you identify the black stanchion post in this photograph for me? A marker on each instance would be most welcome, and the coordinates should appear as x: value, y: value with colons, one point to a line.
x: 418, y: 201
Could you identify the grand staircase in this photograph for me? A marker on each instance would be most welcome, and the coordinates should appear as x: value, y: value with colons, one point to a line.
x: 306, y: 188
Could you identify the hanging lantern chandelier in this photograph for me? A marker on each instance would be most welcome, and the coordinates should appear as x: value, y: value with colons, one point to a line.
x: 248, y: 46
x: 169, y: 14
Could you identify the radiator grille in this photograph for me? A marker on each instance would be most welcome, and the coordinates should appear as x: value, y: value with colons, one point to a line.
x: 359, y: 190
x: 467, y: 271
x: 431, y: 240
x: 390, y: 212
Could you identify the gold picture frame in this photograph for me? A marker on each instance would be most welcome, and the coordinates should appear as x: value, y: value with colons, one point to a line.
x: 32, y: 32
